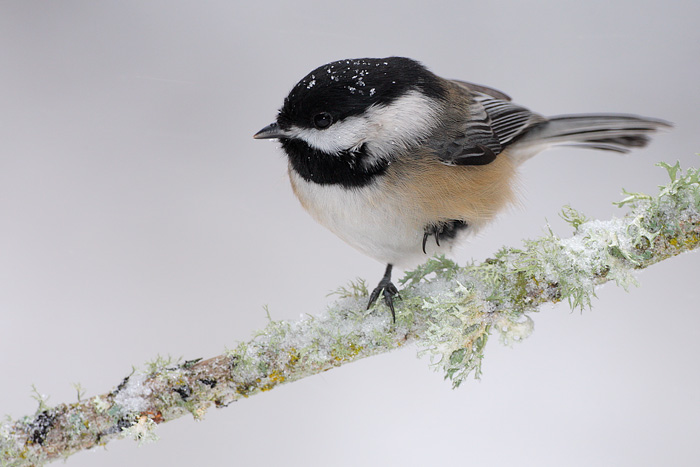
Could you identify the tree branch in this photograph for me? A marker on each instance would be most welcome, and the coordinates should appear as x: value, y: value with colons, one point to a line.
x: 447, y: 310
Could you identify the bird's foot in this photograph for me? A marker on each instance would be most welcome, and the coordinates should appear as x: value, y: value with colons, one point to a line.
x: 388, y: 290
x: 447, y: 230
x: 431, y: 230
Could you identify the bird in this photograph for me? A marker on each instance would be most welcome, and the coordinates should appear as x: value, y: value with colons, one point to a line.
x: 402, y: 164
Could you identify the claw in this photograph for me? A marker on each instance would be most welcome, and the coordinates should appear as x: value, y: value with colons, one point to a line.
x: 388, y: 290
x: 433, y: 230
x: 446, y: 230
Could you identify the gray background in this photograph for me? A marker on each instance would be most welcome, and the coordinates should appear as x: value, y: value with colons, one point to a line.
x: 139, y: 217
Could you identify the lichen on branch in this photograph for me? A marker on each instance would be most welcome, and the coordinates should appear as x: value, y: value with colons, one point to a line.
x: 448, y: 311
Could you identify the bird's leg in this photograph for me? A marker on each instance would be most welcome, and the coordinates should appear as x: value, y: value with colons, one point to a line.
x: 387, y: 289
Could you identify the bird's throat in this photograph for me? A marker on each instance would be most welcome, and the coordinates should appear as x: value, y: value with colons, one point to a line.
x: 347, y: 168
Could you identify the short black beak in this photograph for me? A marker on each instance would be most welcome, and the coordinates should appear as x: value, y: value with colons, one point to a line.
x: 273, y: 130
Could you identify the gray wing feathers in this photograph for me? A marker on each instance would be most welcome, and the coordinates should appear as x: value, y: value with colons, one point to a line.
x: 492, y: 124
x: 611, y: 132
x: 508, y: 120
x: 495, y: 123
x: 481, y: 89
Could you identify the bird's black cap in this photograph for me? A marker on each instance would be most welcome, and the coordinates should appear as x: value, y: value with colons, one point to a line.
x: 349, y: 87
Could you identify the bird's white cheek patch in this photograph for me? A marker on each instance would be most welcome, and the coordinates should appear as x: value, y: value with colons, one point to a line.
x: 384, y: 128
x: 341, y: 136
x: 402, y: 124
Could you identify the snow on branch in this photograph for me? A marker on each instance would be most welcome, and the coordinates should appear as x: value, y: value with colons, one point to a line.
x: 448, y: 311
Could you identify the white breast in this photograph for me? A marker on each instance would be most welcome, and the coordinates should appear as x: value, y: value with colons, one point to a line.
x: 376, y: 224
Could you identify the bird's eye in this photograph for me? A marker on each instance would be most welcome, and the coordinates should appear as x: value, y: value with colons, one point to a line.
x: 323, y: 120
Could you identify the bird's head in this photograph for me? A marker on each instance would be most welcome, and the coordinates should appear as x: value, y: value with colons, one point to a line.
x: 364, y: 111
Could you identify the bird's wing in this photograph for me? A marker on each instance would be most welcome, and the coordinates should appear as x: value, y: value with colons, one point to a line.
x: 480, y: 88
x: 492, y: 124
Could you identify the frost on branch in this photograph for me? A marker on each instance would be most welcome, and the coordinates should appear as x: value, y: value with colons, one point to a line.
x: 447, y: 310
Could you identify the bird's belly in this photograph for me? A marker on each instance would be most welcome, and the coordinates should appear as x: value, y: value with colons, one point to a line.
x: 378, y: 225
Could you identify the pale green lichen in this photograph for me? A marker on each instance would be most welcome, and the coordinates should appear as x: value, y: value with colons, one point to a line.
x: 456, y: 332
x: 573, y: 217
x: 41, y: 400
x: 143, y: 431
x: 512, y: 330
x: 101, y: 404
x: 158, y: 364
x: 355, y: 289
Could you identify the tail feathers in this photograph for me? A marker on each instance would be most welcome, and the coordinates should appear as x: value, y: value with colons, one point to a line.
x: 609, y: 132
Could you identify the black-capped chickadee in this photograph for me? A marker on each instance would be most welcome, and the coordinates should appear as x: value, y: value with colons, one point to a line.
x: 401, y: 163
